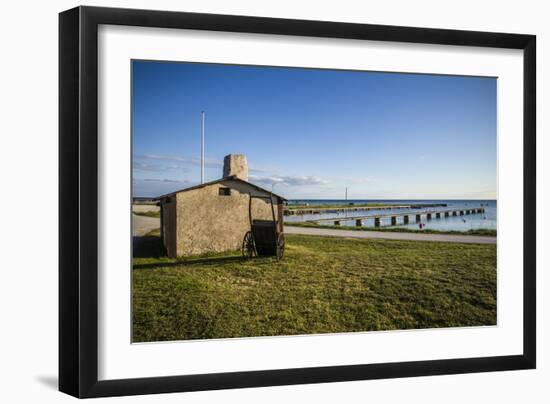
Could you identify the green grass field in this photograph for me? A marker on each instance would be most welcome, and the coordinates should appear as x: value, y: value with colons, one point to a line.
x: 323, y: 285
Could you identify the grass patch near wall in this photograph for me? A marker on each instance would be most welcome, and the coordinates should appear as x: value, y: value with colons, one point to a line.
x: 149, y: 213
x: 323, y: 285
x: 472, y: 232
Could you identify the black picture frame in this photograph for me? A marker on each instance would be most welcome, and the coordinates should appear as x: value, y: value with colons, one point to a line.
x: 78, y: 201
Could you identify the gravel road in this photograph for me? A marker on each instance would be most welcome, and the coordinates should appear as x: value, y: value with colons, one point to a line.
x: 448, y: 238
x: 141, y: 225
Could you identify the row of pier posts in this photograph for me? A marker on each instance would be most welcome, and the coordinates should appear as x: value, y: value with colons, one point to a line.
x: 418, y: 217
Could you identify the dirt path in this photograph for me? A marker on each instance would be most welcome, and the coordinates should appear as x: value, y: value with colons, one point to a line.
x: 141, y: 225
x: 449, y: 238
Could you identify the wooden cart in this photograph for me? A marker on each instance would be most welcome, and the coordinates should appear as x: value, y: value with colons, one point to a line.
x: 264, y: 238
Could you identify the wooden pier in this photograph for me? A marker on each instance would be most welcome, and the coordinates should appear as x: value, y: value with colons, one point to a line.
x: 428, y: 214
x: 354, y: 208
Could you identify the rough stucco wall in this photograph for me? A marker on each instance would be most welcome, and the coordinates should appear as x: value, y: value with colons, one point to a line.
x: 208, y: 222
x: 169, y: 224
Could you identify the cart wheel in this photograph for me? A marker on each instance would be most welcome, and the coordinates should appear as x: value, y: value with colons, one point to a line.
x: 280, y: 246
x: 249, y: 248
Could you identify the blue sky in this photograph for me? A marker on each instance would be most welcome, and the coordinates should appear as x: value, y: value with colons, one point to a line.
x: 310, y: 133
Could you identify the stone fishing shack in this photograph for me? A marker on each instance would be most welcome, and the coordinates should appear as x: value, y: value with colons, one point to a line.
x: 214, y: 216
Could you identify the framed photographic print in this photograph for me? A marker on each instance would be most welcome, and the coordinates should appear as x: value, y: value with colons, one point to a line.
x: 251, y: 201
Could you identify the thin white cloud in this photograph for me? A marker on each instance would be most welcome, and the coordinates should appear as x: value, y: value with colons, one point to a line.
x: 141, y: 166
x: 288, y: 180
x: 155, y: 168
x: 162, y: 180
x: 181, y: 161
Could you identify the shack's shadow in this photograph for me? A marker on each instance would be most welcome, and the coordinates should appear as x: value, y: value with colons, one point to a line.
x: 190, y: 262
x: 151, y: 247
x: 147, y: 247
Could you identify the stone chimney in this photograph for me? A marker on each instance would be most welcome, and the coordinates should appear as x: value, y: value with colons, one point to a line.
x: 235, y: 164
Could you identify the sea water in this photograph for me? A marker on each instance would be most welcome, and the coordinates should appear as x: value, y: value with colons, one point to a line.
x: 485, y: 220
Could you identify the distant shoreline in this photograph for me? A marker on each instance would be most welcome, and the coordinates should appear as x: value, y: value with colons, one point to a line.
x: 381, y: 200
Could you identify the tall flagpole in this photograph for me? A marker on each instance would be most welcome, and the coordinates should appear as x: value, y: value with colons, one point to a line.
x: 202, y: 147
